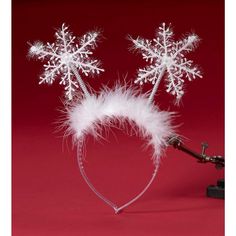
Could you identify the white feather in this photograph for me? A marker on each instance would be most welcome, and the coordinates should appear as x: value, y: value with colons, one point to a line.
x: 123, y: 105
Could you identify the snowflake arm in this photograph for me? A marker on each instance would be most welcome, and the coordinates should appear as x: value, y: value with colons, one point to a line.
x: 51, y: 71
x: 145, y: 47
x: 175, y: 83
x: 90, y: 66
x: 186, y: 45
x: 166, y: 57
x: 88, y: 42
x: 163, y: 39
x: 190, y: 72
x: 65, y: 59
x: 149, y: 73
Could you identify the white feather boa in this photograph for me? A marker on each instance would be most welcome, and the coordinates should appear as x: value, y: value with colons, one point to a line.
x: 117, y: 106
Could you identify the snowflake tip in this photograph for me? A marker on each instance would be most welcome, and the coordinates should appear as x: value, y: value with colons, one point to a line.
x: 95, y: 34
x: 35, y: 49
x: 64, y: 26
x: 193, y: 38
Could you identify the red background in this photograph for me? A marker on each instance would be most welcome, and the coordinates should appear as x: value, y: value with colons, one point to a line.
x: 49, y: 195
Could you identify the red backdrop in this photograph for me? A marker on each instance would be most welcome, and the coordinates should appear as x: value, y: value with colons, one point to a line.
x: 49, y: 195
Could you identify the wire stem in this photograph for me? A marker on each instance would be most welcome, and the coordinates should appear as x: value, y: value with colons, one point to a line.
x: 154, y: 90
x: 81, y: 82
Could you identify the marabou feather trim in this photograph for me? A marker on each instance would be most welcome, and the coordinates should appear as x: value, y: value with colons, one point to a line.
x: 119, y: 105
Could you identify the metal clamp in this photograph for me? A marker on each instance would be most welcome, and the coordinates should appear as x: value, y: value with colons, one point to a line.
x: 219, y: 161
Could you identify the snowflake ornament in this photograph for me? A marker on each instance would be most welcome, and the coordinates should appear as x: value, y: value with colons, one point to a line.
x: 166, y: 57
x: 65, y: 59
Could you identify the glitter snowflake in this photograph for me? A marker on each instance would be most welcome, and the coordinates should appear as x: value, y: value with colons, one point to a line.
x: 65, y: 59
x: 167, y: 57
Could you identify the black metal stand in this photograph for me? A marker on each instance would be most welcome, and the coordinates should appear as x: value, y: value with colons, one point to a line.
x: 215, y: 191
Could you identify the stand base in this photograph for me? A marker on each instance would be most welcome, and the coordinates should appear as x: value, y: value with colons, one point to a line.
x: 216, y: 191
